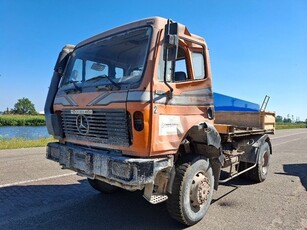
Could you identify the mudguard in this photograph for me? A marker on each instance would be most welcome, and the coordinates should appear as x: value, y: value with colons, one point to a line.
x: 207, y: 142
x: 252, y: 151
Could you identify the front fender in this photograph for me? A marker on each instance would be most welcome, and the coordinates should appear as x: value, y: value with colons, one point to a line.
x: 206, y: 141
x: 205, y: 134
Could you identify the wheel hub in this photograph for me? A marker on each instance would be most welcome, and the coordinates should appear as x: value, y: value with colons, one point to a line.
x: 199, y: 190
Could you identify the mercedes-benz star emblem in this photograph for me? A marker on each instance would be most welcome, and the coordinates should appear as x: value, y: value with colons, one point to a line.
x: 82, y: 124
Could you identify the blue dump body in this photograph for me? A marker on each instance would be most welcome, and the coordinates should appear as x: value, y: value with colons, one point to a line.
x: 226, y: 103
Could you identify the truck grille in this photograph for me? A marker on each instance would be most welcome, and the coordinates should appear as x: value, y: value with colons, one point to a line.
x: 98, y: 126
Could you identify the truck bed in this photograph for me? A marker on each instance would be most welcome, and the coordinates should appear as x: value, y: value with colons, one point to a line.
x: 245, y: 123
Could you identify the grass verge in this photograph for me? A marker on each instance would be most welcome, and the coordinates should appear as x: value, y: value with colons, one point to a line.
x: 290, y: 125
x: 17, y: 143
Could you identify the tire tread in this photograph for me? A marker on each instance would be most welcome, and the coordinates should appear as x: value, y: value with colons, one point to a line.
x: 174, y: 203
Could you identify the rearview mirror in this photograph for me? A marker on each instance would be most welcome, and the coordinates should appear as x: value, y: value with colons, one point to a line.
x: 170, y: 41
x: 63, y: 59
x: 98, y: 67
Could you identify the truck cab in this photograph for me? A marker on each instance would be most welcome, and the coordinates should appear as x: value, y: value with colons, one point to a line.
x: 133, y: 108
x: 118, y: 76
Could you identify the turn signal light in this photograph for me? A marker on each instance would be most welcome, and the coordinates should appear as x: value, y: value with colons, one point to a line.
x: 138, y: 121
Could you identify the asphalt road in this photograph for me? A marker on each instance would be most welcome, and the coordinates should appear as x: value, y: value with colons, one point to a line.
x: 36, y: 194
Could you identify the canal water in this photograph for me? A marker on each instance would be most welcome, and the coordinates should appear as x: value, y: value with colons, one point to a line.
x: 25, y: 132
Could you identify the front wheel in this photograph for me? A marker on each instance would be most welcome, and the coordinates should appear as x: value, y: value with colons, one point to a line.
x: 191, y: 192
x: 102, y: 186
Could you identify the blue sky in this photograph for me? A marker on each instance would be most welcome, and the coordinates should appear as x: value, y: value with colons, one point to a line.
x: 257, y: 48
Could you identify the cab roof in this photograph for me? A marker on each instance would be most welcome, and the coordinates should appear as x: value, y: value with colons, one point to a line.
x: 156, y: 22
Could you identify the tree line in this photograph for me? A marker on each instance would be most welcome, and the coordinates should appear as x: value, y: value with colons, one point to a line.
x: 23, y: 106
x: 288, y: 119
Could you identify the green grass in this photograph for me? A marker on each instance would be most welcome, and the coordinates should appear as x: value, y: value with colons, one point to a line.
x: 17, y: 143
x: 281, y: 125
x: 22, y: 120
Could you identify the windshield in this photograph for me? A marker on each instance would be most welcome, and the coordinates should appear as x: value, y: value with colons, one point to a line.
x: 116, y: 60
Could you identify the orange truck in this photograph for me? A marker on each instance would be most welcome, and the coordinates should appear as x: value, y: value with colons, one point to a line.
x: 133, y: 108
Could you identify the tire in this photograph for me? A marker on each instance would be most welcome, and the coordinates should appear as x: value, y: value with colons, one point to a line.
x: 260, y: 172
x: 191, y: 192
x: 102, y: 186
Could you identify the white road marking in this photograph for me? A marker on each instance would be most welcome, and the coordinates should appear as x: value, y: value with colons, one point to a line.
x: 35, y: 180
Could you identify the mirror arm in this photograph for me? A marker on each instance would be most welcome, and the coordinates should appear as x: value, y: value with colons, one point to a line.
x: 165, y: 81
x: 170, y: 41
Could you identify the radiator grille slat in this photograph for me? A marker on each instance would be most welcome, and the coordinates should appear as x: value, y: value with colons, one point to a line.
x: 102, y: 126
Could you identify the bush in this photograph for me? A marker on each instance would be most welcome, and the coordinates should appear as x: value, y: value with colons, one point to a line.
x: 22, y: 120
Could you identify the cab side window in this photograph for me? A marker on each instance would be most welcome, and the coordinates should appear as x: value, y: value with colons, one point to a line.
x: 198, y: 65
x: 189, y: 65
x: 181, y: 73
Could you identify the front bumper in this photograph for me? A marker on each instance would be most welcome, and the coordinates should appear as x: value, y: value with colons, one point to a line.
x: 108, y: 165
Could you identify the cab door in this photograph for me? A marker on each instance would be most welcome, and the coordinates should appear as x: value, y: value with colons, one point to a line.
x: 184, y: 100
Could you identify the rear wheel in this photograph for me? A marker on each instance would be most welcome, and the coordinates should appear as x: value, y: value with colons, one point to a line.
x: 191, y: 192
x: 260, y: 172
x: 102, y: 186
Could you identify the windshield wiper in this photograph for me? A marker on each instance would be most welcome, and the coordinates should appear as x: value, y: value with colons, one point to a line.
x: 107, y: 77
x: 75, y: 85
